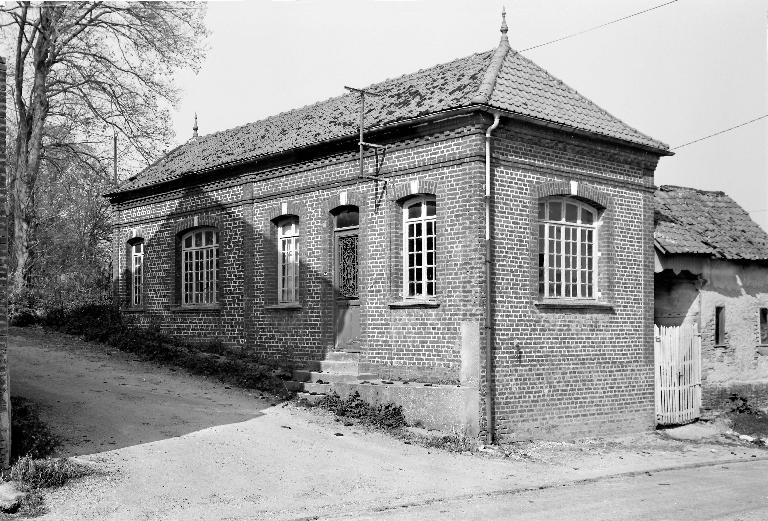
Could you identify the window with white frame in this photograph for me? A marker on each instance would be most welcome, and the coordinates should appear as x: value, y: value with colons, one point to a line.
x: 137, y: 272
x: 419, y: 251
x: 288, y: 260
x: 200, y: 266
x: 567, y: 249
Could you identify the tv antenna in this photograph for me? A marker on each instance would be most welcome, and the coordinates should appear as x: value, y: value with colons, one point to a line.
x: 362, y: 143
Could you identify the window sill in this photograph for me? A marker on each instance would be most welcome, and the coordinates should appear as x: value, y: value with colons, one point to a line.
x: 196, y: 308
x: 414, y: 303
x: 285, y: 306
x: 555, y: 303
x: 721, y: 346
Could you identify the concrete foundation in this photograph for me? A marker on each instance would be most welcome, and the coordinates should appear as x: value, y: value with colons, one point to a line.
x: 442, y: 407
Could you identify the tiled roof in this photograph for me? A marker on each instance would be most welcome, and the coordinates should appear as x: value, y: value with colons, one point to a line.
x: 710, y: 223
x: 499, y: 78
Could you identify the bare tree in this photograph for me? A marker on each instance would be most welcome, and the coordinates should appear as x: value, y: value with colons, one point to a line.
x: 83, y: 70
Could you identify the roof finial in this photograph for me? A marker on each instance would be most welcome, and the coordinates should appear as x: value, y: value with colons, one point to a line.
x: 504, y: 27
x: 194, y: 129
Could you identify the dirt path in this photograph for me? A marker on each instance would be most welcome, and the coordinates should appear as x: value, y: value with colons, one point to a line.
x: 98, y: 398
x: 190, y: 449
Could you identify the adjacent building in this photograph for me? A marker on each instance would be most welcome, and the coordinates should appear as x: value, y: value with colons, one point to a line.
x: 712, y: 274
x: 497, y: 234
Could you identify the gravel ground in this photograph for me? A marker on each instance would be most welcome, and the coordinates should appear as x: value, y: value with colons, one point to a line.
x: 189, y: 448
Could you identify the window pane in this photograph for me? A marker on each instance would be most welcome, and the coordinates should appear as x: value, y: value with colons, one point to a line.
x: 586, y: 216
x: 764, y: 326
x: 199, y: 239
x: 542, y: 211
x: 571, y: 212
x: 188, y: 241
x: 414, y: 211
x: 555, y: 211
x: 209, y: 238
x: 431, y: 208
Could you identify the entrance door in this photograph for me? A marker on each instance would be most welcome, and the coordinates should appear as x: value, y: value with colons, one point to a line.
x: 677, y: 353
x: 347, y: 302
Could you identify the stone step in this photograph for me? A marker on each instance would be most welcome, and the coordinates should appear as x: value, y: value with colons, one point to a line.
x: 334, y: 366
x: 313, y: 376
x: 342, y: 356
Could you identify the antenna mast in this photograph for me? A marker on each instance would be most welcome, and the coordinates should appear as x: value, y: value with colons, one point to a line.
x: 363, y: 145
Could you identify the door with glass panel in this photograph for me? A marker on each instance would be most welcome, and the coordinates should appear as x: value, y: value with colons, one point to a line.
x: 346, y: 222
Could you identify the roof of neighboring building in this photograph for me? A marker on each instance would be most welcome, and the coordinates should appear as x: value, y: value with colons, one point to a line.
x: 500, y: 78
x: 710, y: 223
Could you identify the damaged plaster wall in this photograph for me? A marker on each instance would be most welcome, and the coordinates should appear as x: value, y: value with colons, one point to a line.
x: 691, y: 295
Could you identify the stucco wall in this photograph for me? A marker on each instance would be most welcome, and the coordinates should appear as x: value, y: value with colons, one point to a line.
x: 740, y: 287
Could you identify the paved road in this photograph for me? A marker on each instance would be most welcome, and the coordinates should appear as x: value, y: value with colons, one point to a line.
x: 733, y: 492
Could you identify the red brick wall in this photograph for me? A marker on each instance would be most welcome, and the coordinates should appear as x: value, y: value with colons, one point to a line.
x: 400, y: 342
x: 576, y: 370
x: 568, y: 370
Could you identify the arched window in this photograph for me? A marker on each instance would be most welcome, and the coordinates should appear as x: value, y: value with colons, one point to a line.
x: 419, y: 252
x: 200, y: 266
x: 288, y: 260
x: 136, y: 248
x: 567, y: 249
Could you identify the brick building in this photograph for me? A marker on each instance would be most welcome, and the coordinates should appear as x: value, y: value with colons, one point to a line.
x: 267, y: 236
x: 712, y: 273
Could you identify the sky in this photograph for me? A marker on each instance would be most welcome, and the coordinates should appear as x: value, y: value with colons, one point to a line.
x: 676, y: 73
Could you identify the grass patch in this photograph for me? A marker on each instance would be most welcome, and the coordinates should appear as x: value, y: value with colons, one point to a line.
x: 212, y: 358
x: 31, y: 436
x: 34, y: 474
x: 383, y: 416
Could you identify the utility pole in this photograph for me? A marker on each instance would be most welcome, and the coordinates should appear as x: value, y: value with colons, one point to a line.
x: 114, y: 155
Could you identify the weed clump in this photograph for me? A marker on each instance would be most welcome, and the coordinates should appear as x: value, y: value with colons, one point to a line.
x: 34, y: 474
x: 386, y: 416
x: 746, y: 419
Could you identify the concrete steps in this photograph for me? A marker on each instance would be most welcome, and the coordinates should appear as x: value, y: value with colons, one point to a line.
x: 316, y: 378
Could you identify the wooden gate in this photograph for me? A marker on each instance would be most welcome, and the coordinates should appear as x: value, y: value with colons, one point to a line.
x: 677, y: 353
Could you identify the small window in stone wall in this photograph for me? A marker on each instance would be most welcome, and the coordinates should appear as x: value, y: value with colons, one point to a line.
x: 764, y: 326
x: 720, y: 325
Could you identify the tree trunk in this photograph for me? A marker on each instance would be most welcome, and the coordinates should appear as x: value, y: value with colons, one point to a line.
x: 29, y: 149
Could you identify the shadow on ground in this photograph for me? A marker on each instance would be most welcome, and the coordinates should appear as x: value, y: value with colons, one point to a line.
x: 96, y: 398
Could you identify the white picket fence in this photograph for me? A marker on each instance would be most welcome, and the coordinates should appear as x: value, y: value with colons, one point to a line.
x: 677, y: 353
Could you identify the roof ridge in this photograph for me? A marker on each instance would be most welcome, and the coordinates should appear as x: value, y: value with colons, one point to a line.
x: 673, y: 188
x: 485, y: 91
